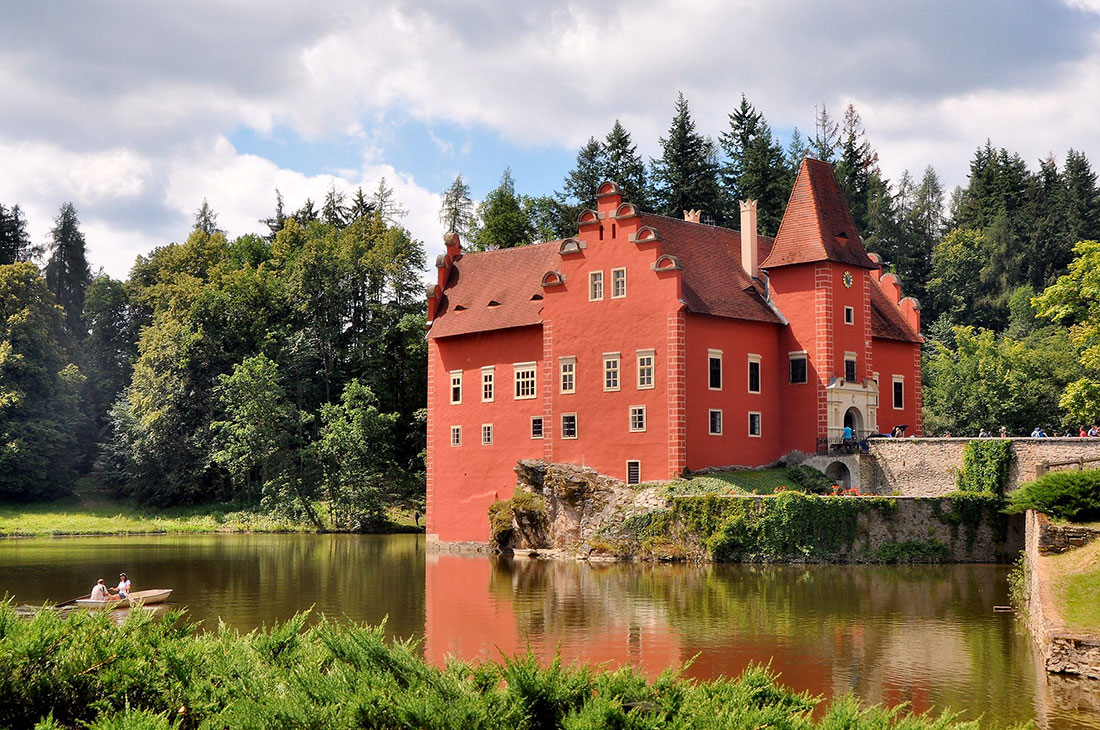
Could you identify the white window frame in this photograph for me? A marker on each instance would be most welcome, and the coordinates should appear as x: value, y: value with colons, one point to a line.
x: 851, y: 357
x: 595, y: 286
x: 652, y: 355
x: 486, y: 434
x: 488, y: 384
x: 456, y: 382
x: 754, y: 358
x: 710, y: 421
x: 630, y: 419
x: 576, y: 425
x: 571, y: 362
x: 850, y: 315
x: 893, y: 392
x: 800, y: 355
x: 609, y: 359
x: 759, y: 423
x: 616, y: 280
x: 542, y: 427
x: 628, y: 463
x: 715, y: 355
x: 456, y: 435
x: 524, y: 368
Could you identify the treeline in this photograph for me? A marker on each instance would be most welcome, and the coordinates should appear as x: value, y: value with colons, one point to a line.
x: 285, y: 369
x: 999, y: 351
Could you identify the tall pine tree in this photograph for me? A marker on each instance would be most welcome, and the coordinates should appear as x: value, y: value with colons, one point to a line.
x: 858, y: 163
x: 756, y: 168
x: 457, y: 211
x: 581, y: 182
x: 686, y: 175
x: 67, y: 272
x: 625, y: 166
x: 826, y: 139
x: 15, y: 242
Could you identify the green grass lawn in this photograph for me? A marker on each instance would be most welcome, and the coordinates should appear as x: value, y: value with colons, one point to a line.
x: 746, y: 481
x: 1076, y: 576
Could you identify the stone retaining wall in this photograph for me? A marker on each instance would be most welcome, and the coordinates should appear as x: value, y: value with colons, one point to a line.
x: 1061, y: 651
x: 1054, y: 539
x: 927, y: 466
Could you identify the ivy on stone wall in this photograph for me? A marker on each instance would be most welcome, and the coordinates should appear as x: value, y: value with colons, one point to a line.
x: 986, y: 463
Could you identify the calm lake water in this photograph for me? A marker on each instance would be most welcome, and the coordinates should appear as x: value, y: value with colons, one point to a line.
x: 923, y: 635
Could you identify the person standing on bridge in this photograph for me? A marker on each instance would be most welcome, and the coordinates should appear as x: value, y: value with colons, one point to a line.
x: 1004, y: 432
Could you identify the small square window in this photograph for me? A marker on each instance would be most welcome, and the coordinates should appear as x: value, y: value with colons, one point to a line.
x: 610, y: 372
x: 569, y: 425
x: 899, y: 392
x: 633, y: 472
x: 714, y: 369
x: 645, y: 369
x: 536, y: 427
x: 754, y: 373
x: 456, y: 435
x: 525, y: 380
x: 487, y: 385
x: 754, y: 424
x: 849, y: 315
x: 568, y: 366
x: 715, y: 418
x: 637, y: 418
x: 798, y: 369
x: 595, y: 286
x: 618, y: 283
x: 456, y: 387
x: 486, y: 434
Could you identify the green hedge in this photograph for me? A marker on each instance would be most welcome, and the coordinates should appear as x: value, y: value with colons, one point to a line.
x: 1069, y: 495
x: 986, y: 463
x: 84, y: 671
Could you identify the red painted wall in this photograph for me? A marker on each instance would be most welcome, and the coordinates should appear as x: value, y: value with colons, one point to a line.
x: 795, y: 295
x: 736, y: 339
x: 464, y: 480
x: 897, y: 358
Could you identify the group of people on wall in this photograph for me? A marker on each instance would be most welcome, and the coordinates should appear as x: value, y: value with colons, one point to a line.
x: 1040, y: 433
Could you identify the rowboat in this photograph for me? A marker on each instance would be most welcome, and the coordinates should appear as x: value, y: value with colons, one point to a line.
x: 147, y: 598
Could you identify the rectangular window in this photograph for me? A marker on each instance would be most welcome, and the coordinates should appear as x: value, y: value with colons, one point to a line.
x: 754, y: 373
x: 715, y: 425
x: 637, y: 418
x: 618, y: 283
x: 536, y: 427
x: 569, y: 425
x: 486, y: 434
x: 849, y: 315
x: 611, y: 371
x: 798, y: 369
x: 456, y: 387
x: 456, y: 435
x: 645, y: 369
x: 714, y: 369
x: 899, y: 392
x: 525, y: 380
x: 595, y: 286
x: 850, y: 367
x: 754, y: 424
x: 633, y: 472
x: 568, y: 367
x: 487, y: 385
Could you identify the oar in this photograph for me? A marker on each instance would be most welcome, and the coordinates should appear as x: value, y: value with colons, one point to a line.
x: 72, y: 601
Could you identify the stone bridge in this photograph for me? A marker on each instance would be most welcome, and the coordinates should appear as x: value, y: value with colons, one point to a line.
x: 925, y: 467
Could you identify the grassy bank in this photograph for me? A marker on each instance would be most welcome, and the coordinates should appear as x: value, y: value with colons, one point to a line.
x: 1075, y: 576
x: 86, y: 671
x: 93, y: 511
x: 741, y: 481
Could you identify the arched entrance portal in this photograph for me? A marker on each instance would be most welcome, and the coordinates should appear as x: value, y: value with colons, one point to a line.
x: 853, y: 419
x: 839, y: 473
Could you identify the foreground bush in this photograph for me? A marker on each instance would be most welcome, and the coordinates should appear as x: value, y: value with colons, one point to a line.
x: 1069, y: 495
x: 83, y: 670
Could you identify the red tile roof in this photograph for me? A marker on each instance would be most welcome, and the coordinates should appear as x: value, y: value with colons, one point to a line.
x: 817, y: 225
x: 510, y: 277
x: 887, y: 321
x: 713, y: 280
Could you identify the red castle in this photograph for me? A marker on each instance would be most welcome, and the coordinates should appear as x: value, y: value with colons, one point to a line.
x: 648, y: 345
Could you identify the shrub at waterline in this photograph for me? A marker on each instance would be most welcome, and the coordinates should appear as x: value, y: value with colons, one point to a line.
x: 1069, y: 495
x: 85, y: 671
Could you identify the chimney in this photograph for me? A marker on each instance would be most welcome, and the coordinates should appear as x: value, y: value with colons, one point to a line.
x: 693, y: 216
x: 749, y: 252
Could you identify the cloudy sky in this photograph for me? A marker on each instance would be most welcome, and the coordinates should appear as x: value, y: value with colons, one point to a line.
x: 136, y: 111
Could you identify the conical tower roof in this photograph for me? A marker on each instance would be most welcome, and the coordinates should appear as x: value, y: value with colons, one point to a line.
x: 817, y: 225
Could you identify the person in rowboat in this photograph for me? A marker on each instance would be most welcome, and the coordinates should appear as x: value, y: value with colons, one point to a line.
x: 123, y: 588
x: 99, y: 591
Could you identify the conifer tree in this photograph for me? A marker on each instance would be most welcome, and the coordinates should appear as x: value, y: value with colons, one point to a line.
x: 625, y: 166
x: 386, y: 204
x: 334, y: 212
x: 826, y: 136
x: 15, y: 242
x: 924, y: 226
x: 796, y: 150
x: 858, y: 163
x: 756, y: 169
x: 360, y: 207
x: 686, y: 175
x: 503, y: 221
x: 206, y: 220
x: 1082, y: 198
x: 67, y: 272
x: 307, y: 213
x: 275, y: 223
x: 457, y: 212
x: 590, y: 170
